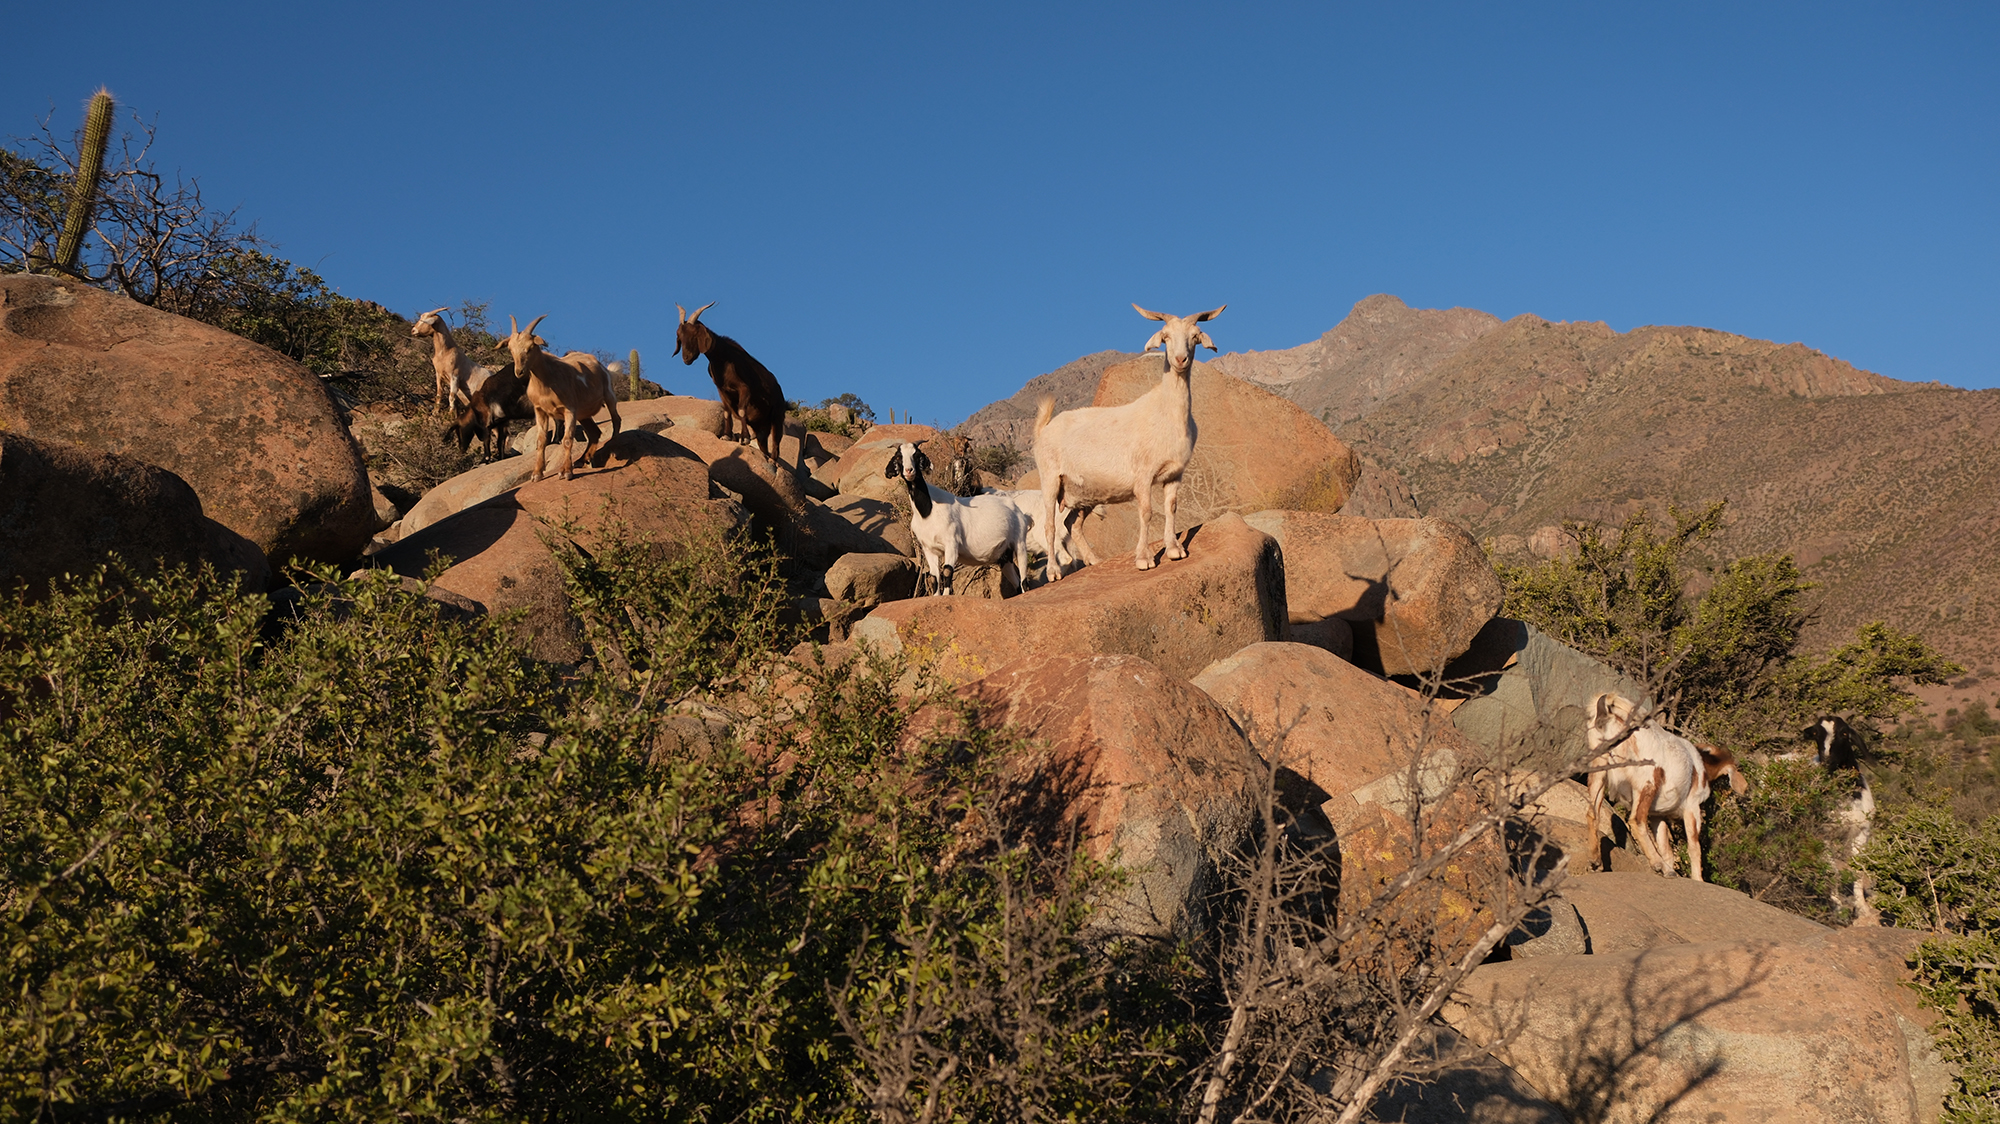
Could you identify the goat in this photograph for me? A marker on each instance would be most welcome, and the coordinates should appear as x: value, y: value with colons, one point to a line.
x: 1834, y: 746
x: 1658, y: 773
x: 1109, y: 454
x: 749, y: 391
x: 499, y: 397
x: 455, y: 369
x: 987, y: 529
x: 565, y: 393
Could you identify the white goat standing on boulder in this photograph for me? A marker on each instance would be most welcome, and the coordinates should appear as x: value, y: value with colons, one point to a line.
x: 950, y: 529
x: 1110, y: 454
x: 567, y: 392
x: 455, y: 369
x: 1659, y: 773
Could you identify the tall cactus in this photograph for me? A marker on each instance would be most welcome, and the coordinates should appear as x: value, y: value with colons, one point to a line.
x: 83, y: 191
x: 633, y: 366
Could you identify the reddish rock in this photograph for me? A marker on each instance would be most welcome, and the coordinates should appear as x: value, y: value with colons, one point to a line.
x: 1414, y: 591
x: 1229, y: 592
x: 1732, y: 1030
x: 253, y: 433
x: 1149, y: 766
x: 1349, y: 733
x: 500, y: 552
x: 64, y: 509
x: 468, y: 488
x: 1253, y: 450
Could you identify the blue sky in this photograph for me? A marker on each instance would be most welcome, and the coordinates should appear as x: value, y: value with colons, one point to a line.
x: 929, y: 204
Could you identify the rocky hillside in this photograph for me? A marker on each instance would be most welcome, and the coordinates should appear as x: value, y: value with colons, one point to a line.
x: 1885, y: 491
x: 1011, y: 421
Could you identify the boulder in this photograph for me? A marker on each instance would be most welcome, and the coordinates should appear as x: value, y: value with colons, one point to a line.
x: 473, y: 486
x: 858, y: 470
x: 1529, y: 693
x: 871, y: 579
x: 385, y: 509
x: 1635, y: 910
x: 1414, y: 591
x: 1728, y: 1030
x: 1346, y: 732
x: 879, y: 520
x: 499, y: 557
x: 64, y: 508
x: 500, y: 553
x: 1181, y: 616
x: 1253, y: 450
x: 253, y: 433
x: 1148, y: 766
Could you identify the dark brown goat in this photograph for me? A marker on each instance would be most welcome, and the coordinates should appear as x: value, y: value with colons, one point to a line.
x: 750, y: 392
x: 498, y: 399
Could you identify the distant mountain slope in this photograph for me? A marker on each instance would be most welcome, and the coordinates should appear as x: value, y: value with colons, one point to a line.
x: 1887, y: 492
x: 1382, y: 347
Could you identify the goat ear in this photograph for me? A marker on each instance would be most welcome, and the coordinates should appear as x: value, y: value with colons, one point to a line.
x: 1155, y: 340
x: 923, y: 462
x: 1149, y: 315
x: 1202, y: 339
x: 1209, y: 315
x: 538, y: 341
x: 895, y: 466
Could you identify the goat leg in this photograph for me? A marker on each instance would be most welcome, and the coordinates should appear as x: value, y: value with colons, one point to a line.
x: 1642, y: 817
x: 1175, y: 551
x: 1142, y: 554
x: 1691, y: 820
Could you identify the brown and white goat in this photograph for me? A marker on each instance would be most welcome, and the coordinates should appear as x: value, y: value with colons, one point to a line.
x: 1658, y: 773
x: 454, y: 368
x: 1109, y: 454
x: 749, y: 391
x: 565, y: 392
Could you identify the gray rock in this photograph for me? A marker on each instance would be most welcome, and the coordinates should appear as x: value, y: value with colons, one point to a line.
x: 1552, y: 930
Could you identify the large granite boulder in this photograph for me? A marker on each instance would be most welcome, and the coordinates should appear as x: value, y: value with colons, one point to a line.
x: 1349, y: 734
x: 253, y: 433
x: 1414, y: 591
x: 1697, y: 1003
x: 1529, y: 694
x: 1253, y: 450
x: 1150, y: 769
x: 1229, y: 592
x: 501, y: 553
x: 65, y: 508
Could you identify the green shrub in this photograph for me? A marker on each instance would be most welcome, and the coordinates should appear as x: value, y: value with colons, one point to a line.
x: 1775, y: 842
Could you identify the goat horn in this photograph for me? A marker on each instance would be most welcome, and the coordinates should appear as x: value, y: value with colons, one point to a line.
x: 513, y: 329
x: 699, y: 311
x: 535, y: 321
x: 1209, y: 315
x: 434, y: 311
x: 684, y: 314
x: 1149, y: 315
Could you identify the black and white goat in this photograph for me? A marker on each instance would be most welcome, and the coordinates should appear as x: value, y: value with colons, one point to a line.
x: 1834, y: 749
x: 991, y: 528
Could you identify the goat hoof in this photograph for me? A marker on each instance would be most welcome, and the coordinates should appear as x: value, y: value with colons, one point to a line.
x: 1146, y: 563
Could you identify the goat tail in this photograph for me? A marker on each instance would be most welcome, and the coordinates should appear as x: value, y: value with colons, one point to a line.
x: 1044, y: 410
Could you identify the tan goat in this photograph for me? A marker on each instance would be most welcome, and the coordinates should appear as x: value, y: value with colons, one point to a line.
x: 1109, y: 454
x: 454, y: 367
x: 566, y: 392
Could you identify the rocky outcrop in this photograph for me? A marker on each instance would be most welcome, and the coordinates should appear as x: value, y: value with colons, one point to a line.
x: 501, y: 553
x: 1254, y: 450
x: 1348, y: 734
x: 1147, y: 765
x: 1228, y: 592
x: 1414, y: 591
x: 253, y: 433
x: 1529, y: 693
x: 1700, y: 1004
x: 65, y: 509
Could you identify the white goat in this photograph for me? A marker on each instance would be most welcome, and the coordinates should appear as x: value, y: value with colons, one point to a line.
x: 455, y: 369
x: 567, y: 392
x: 1659, y: 773
x: 949, y: 529
x: 1110, y: 454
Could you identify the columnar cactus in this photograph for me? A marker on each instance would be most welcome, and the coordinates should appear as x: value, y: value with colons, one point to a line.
x: 83, y: 191
x: 633, y: 366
